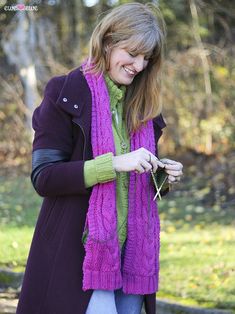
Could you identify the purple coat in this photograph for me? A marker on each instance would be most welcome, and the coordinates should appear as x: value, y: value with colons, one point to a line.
x: 53, y: 278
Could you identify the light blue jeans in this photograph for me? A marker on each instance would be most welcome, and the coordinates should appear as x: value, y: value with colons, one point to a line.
x: 115, y: 302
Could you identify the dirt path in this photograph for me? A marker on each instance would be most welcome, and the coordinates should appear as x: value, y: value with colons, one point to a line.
x: 8, y: 303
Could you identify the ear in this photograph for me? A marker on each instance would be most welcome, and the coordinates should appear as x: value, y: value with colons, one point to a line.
x: 107, y: 52
x: 107, y: 48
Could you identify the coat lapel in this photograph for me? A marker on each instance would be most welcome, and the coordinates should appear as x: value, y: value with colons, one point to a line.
x: 75, y: 99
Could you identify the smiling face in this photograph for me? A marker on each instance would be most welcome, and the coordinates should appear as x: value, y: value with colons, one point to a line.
x: 124, y: 66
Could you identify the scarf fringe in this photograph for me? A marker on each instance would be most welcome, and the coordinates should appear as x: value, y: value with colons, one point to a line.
x: 106, y: 280
x: 134, y: 284
x: 131, y: 284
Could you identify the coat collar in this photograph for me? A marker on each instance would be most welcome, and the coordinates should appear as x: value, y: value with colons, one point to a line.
x: 159, y: 121
x: 75, y: 99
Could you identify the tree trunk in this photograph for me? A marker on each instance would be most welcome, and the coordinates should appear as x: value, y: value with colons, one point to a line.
x: 18, y: 45
x: 205, y: 67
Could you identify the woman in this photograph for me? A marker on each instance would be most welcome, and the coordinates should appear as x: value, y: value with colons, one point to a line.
x: 96, y: 243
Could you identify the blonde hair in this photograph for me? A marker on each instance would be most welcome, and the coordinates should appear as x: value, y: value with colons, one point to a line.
x: 140, y: 29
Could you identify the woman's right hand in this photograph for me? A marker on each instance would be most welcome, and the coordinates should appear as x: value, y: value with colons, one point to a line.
x: 140, y: 161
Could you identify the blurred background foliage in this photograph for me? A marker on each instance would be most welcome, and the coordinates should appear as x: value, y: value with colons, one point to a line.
x: 198, y: 87
x: 198, y: 84
x: 198, y: 95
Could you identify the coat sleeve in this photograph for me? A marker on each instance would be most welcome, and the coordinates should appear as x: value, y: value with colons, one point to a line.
x: 53, y: 132
x: 160, y: 124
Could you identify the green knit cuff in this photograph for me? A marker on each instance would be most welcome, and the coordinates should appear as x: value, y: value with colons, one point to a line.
x: 104, y: 168
x: 90, y: 176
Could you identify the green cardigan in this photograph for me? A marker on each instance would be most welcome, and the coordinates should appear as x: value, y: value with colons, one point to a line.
x: 100, y: 169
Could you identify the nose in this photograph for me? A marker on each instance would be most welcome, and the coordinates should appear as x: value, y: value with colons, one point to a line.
x: 139, y: 63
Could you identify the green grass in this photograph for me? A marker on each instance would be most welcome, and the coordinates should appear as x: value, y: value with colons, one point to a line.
x: 14, y: 243
x: 19, y: 203
x: 19, y: 207
x: 198, y: 267
x: 197, y: 248
x: 197, y: 241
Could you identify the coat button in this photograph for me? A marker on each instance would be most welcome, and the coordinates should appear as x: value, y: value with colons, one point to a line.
x: 76, y: 106
x: 65, y: 99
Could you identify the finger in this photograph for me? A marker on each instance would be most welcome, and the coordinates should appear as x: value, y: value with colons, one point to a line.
x: 146, y: 165
x: 154, y: 162
x: 167, y: 161
x: 172, y: 179
x: 173, y: 183
x: 159, y: 163
x: 140, y: 168
x: 173, y: 167
x: 174, y: 173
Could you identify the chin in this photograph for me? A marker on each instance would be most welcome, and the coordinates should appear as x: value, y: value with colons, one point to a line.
x: 126, y: 81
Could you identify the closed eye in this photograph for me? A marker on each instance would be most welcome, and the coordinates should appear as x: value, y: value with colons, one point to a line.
x: 132, y: 54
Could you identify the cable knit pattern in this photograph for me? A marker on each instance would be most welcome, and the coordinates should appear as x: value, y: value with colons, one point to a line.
x: 102, y: 263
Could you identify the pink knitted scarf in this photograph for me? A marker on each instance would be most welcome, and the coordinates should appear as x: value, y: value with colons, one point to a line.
x: 102, y: 263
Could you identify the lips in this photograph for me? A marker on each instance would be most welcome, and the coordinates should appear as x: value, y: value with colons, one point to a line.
x: 129, y: 71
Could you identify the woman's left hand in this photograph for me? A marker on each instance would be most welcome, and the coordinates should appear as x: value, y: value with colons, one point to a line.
x: 174, y: 169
